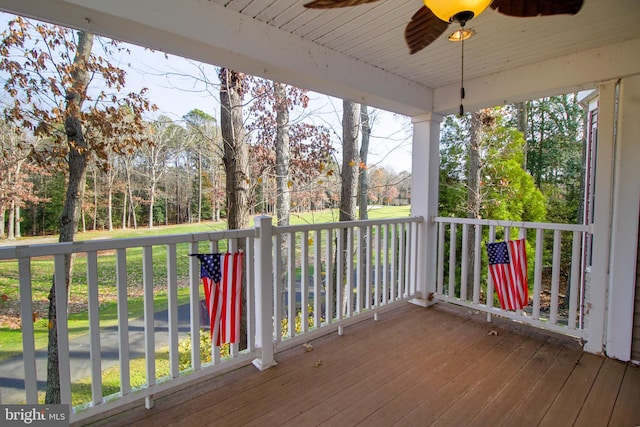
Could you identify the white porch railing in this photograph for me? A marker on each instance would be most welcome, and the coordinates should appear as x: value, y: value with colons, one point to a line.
x: 374, y: 264
x: 302, y: 282
x: 556, y: 287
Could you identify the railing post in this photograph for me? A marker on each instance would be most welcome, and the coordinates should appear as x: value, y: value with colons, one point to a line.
x: 621, y: 308
x: 263, y: 292
x: 596, y: 291
x: 424, y: 202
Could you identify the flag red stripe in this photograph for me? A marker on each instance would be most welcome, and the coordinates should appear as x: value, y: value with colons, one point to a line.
x: 510, y: 280
x: 520, y: 261
x: 518, y: 267
x: 227, y: 279
x: 230, y: 287
x: 235, y: 324
x: 206, y: 284
x: 223, y: 299
x: 216, y: 310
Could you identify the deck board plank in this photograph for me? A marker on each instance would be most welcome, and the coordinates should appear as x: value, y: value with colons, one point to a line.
x: 414, y: 366
x: 454, y: 382
x: 483, y: 391
x: 534, y: 405
x: 320, y: 406
x: 425, y: 384
x: 565, y: 408
x: 340, y: 388
x: 598, y: 406
x: 227, y: 389
x: 353, y: 405
x: 626, y: 411
x: 337, y: 362
x: 500, y: 406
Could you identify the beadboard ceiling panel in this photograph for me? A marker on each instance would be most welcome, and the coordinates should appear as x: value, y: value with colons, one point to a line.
x: 360, y: 53
x: 374, y: 34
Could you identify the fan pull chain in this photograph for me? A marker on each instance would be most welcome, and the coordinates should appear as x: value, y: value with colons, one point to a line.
x: 462, y: 77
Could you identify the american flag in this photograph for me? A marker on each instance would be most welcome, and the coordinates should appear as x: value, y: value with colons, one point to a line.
x: 508, y: 267
x: 221, y: 276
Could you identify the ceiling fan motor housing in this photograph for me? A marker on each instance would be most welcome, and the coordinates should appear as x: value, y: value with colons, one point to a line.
x: 459, y: 11
x: 431, y: 20
x: 462, y: 17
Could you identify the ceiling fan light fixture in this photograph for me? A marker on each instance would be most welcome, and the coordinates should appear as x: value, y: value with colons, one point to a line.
x: 461, y: 34
x: 459, y: 11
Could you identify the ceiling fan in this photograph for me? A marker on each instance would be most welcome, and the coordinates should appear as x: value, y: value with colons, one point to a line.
x: 432, y: 19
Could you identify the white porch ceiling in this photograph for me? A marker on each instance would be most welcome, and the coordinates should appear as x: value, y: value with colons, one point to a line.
x: 359, y: 52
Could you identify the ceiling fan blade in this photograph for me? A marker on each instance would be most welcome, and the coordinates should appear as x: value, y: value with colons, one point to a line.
x: 332, y: 4
x: 423, y: 29
x: 529, y: 8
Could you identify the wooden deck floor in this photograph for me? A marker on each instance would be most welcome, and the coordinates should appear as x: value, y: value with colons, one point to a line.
x: 415, y: 367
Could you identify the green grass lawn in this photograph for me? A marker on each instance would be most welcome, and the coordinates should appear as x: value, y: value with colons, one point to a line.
x: 42, y: 272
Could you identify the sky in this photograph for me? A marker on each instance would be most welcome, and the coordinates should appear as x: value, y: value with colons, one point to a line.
x: 178, y: 85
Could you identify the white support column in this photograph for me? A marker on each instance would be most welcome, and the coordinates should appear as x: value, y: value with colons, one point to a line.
x: 624, y: 227
x: 595, y: 305
x: 425, y: 153
x: 264, y: 293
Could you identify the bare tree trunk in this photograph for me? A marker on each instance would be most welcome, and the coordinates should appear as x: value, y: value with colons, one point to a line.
x: 199, y: 186
x: 95, y: 198
x: 72, y: 203
x: 349, y: 175
x: 2, y: 216
x: 236, y: 148
x: 126, y: 208
x: 189, y: 192
x: 522, y: 127
x: 152, y: 200
x: 110, y: 208
x: 217, y: 203
x: 473, y: 167
x: 17, y: 231
x: 473, y: 187
x: 283, y: 159
x: 363, y: 190
x: 350, y: 160
x: 125, y: 197
x: 540, y: 171
x: 110, y: 180
x: 12, y: 211
x: 131, y: 210
x: 82, y: 213
x: 178, y: 205
x: 283, y: 154
x: 363, y: 174
x: 236, y: 162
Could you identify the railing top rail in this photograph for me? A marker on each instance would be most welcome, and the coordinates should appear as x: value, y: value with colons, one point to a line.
x: 344, y: 224
x: 49, y: 249
x: 519, y: 224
